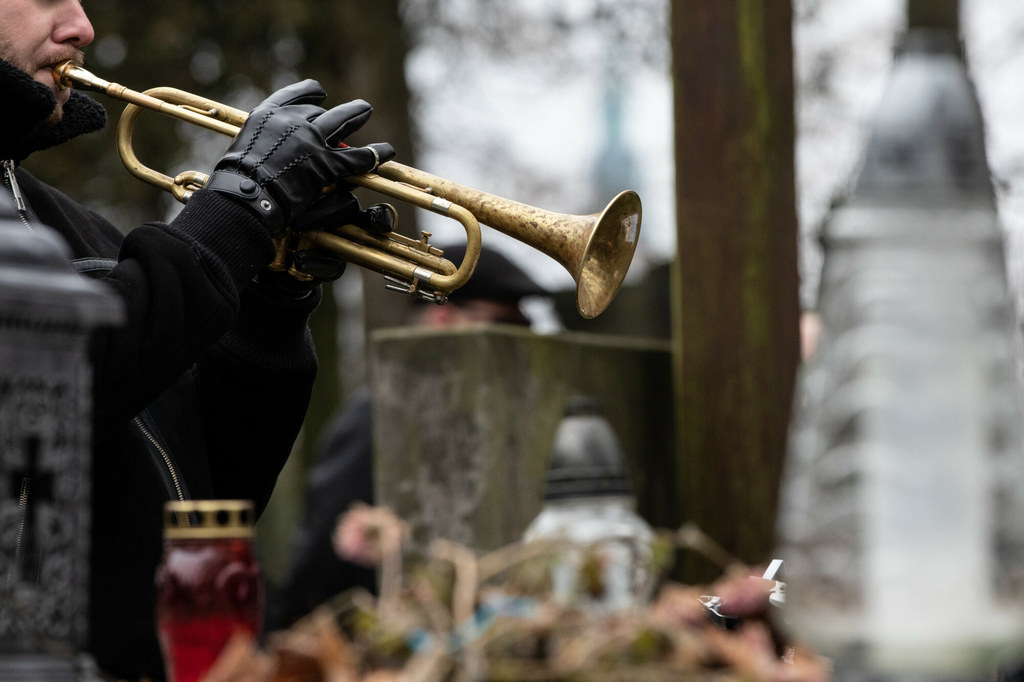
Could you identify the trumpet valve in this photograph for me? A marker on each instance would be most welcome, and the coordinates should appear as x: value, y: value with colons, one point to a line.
x: 401, y: 286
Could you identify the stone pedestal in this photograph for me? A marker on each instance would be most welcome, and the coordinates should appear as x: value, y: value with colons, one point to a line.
x: 464, y: 421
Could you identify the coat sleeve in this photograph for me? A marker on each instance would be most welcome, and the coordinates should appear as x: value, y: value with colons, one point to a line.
x: 255, y: 386
x: 182, y: 286
x: 192, y: 309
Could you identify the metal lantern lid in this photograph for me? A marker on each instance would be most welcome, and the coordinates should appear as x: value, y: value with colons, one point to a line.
x: 926, y: 144
x: 586, y: 458
x: 208, y: 519
x: 38, y: 282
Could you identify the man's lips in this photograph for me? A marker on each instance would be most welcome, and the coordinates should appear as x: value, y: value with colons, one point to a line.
x: 45, y: 73
x: 57, y: 60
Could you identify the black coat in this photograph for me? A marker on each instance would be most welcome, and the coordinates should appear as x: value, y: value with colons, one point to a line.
x: 219, y: 367
x: 342, y: 475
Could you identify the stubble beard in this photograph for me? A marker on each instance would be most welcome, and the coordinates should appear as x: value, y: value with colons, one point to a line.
x: 55, y: 117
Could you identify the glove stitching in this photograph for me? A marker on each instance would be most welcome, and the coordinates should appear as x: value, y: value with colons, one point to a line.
x: 298, y: 161
x: 256, y: 134
x: 281, y: 140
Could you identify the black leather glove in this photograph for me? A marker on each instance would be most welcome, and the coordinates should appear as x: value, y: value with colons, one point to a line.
x: 339, y: 207
x: 287, y: 152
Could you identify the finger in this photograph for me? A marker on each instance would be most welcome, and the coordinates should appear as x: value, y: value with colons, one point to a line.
x: 378, y: 219
x: 338, y: 123
x: 385, y: 152
x: 358, y: 159
x: 366, y: 159
x: 304, y: 92
x: 307, y: 111
x: 330, y: 210
x: 321, y: 266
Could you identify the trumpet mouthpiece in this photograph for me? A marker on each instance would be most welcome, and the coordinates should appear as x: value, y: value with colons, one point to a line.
x: 68, y: 74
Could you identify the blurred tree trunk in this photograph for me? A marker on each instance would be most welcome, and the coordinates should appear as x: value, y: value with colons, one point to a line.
x: 735, y: 330
x: 357, y: 49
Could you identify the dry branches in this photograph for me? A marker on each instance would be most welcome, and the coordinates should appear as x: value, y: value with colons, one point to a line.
x: 458, y: 617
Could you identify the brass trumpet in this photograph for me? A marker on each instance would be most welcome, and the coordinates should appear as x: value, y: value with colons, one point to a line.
x: 595, y: 249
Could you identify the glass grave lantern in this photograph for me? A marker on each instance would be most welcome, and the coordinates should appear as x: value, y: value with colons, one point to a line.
x: 47, y: 310
x: 902, y: 509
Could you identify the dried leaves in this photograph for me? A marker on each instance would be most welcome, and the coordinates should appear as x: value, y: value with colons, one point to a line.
x: 457, y: 617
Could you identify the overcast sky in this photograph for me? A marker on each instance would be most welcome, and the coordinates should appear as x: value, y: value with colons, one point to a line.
x: 558, y: 125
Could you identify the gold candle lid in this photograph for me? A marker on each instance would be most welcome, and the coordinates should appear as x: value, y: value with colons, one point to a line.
x: 206, y: 519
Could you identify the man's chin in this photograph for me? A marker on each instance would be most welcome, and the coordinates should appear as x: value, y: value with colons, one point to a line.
x: 58, y: 111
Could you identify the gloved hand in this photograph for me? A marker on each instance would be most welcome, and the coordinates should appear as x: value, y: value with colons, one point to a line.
x: 287, y: 152
x: 338, y: 207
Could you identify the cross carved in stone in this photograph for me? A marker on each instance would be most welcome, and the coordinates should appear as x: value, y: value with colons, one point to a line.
x: 33, y: 486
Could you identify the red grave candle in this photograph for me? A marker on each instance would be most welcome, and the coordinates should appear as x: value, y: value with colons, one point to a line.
x: 209, y: 585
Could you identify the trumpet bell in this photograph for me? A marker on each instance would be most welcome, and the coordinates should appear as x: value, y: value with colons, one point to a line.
x: 595, y: 249
x: 605, y: 258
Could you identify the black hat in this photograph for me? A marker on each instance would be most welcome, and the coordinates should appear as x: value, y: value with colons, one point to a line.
x: 495, y: 277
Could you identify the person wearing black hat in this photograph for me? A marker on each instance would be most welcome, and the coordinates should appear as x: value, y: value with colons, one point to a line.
x: 342, y: 471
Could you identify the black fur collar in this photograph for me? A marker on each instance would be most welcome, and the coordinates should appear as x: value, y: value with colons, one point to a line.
x: 24, y: 107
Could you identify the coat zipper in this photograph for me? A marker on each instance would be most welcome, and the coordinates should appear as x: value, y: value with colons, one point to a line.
x: 168, y: 462
x: 12, y: 184
x: 22, y: 512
